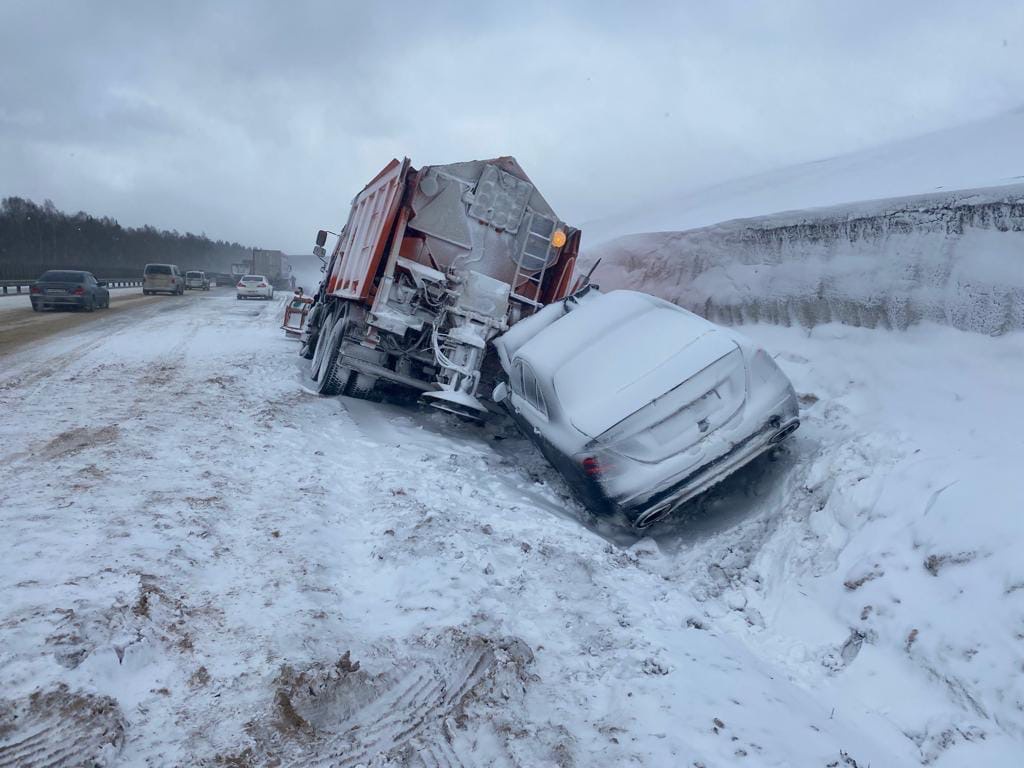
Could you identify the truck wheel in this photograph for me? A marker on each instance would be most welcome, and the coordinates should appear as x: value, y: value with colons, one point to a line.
x: 308, y: 348
x: 336, y: 381
x: 361, y: 385
x: 320, y: 345
x: 331, y: 378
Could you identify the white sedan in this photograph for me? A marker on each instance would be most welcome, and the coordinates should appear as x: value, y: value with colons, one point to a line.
x: 640, y: 404
x: 254, y: 287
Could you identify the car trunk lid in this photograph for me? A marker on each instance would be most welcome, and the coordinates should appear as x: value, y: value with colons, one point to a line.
x: 683, y: 417
x: 665, y: 363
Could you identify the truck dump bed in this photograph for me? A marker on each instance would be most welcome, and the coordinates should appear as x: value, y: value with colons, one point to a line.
x: 430, y: 266
x: 484, y: 215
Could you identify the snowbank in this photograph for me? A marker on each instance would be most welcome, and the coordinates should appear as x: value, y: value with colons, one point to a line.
x: 955, y: 258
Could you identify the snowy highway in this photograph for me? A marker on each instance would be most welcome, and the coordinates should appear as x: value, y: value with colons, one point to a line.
x: 19, y: 325
x: 204, y: 564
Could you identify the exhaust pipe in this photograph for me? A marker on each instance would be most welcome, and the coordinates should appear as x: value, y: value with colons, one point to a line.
x: 652, y: 516
x: 785, y: 432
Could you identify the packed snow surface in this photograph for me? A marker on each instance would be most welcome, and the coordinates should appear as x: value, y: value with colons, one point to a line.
x: 202, y: 563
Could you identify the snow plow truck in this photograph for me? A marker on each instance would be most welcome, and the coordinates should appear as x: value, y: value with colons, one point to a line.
x: 431, y: 265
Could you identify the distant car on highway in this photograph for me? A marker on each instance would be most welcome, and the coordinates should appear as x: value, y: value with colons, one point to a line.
x: 69, y: 288
x: 254, y: 286
x: 163, y: 278
x: 640, y: 404
x: 196, y: 280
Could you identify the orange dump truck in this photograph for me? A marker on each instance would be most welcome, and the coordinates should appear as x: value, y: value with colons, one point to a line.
x: 431, y: 265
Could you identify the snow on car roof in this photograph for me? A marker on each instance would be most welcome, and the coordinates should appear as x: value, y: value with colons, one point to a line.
x: 616, y: 352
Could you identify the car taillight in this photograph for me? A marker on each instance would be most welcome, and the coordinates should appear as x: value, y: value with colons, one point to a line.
x: 240, y: 285
x: 262, y: 285
x: 592, y: 467
x: 35, y: 289
x: 79, y: 291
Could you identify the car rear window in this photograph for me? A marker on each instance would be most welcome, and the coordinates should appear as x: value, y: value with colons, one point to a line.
x: 57, y: 276
x: 158, y: 269
x: 251, y: 279
x: 193, y: 274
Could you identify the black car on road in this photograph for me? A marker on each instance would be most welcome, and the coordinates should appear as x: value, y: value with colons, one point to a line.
x: 69, y: 288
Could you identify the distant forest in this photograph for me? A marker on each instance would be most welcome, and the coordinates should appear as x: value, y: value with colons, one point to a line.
x: 34, y: 238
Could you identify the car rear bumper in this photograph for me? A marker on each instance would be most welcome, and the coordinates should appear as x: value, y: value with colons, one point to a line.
x: 678, y: 490
x: 257, y: 293
x: 45, y: 302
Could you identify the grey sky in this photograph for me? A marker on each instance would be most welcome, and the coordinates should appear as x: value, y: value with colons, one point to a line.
x: 258, y: 121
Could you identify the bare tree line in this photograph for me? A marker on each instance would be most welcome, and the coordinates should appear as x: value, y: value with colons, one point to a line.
x: 34, y: 238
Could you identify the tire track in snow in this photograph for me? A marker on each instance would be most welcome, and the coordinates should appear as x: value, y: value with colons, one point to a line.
x: 60, y: 728
x: 411, y: 719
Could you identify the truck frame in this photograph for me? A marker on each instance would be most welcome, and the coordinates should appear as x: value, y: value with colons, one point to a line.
x: 431, y: 265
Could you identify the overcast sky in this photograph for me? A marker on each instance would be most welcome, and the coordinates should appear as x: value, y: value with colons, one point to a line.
x: 258, y: 122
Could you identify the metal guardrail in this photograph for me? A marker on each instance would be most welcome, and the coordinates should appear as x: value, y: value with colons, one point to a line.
x: 17, y: 285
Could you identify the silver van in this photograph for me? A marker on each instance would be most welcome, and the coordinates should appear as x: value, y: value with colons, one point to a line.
x: 163, y: 278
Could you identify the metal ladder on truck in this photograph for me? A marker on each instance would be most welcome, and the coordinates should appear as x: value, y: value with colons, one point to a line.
x: 524, y: 275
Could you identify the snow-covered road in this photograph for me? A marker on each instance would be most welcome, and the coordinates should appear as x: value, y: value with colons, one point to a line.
x: 202, y: 563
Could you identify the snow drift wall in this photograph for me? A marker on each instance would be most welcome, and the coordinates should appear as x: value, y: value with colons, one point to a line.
x: 955, y: 258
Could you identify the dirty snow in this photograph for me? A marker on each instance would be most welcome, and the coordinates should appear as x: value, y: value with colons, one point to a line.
x: 208, y: 565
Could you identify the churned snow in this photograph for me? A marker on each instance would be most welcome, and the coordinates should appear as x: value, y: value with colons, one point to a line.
x: 218, y: 568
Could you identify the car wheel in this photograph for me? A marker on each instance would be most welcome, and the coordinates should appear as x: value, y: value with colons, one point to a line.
x: 90, y: 305
x: 35, y: 307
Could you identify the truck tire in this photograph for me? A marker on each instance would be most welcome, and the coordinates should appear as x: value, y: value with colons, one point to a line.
x: 331, y: 378
x: 320, y: 345
x: 361, y: 385
x: 313, y: 324
x: 336, y: 382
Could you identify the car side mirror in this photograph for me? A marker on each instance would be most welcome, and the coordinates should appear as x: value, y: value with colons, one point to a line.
x: 321, y: 238
x: 101, y: 283
x: 500, y: 393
